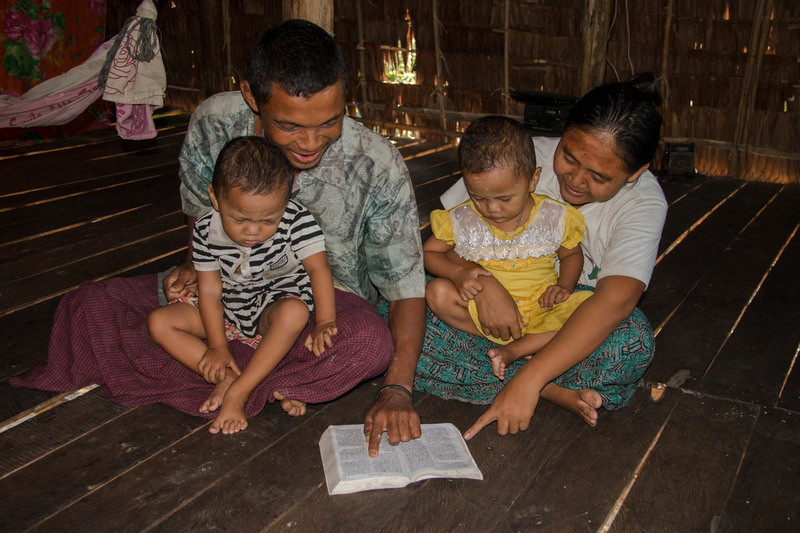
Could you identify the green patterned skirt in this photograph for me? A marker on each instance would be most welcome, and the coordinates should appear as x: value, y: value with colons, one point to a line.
x: 454, y: 365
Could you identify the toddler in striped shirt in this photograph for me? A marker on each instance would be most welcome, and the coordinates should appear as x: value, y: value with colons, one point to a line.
x: 261, y: 271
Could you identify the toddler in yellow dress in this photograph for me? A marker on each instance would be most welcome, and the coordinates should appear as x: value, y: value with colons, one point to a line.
x: 506, y: 231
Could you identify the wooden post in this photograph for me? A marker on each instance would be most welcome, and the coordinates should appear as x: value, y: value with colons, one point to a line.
x: 595, y: 35
x: 226, y: 27
x: 362, y: 64
x: 755, y: 54
x: 320, y: 12
x: 664, y: 65
x: 506, y: 95
x: 439, y: 66
x: 208, y: 50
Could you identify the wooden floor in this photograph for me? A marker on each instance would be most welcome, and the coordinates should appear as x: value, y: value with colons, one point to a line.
x: 720, y: 451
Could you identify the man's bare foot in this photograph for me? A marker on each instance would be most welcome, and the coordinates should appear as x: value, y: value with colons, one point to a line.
x: 231, y: 418
x: 582, y: 402
x: 292, y: 407
x: 501, y: 359
x: 217, y: 395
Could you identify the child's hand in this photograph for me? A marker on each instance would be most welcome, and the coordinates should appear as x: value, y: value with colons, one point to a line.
x: 554, y: 294
x: 466, y: 282
x: 321, y: 337
x: 214, y: 365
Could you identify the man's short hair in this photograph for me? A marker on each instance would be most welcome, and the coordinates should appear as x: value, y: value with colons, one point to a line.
x: 254, y: 165
x: 298, y: 56
x: 497, y: 142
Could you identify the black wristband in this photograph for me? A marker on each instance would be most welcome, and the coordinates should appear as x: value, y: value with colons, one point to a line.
x: 400, y: 387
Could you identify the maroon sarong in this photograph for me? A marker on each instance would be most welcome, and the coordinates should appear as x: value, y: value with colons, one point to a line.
x: 100, y: 336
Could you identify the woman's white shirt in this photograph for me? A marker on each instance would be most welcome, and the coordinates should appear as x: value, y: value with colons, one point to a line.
x: 622, y: 234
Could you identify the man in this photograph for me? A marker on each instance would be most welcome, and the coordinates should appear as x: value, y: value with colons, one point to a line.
x: 354, y: 183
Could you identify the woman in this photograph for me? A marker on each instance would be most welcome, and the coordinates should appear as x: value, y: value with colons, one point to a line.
x: 598, y: 358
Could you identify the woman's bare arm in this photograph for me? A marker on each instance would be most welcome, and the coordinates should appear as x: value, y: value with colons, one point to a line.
x: 589, y: 326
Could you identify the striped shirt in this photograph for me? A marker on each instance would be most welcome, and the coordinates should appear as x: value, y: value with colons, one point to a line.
x: 254, y: 277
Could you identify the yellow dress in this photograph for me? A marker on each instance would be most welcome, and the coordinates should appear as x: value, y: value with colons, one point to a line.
x: 523, y: 261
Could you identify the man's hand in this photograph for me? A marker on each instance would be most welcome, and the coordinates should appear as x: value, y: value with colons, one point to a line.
x: 497, y: 310
x: 392, y: 412
x: 181, y: 282
x: 512, y: 408
x: 215, y: 363
x: 554, y: 294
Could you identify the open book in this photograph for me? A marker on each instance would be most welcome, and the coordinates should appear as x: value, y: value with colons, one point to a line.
x: 440, y: 453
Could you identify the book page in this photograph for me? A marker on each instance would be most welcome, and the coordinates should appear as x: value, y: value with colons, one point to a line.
x: 440, y: 450
x: 353, y: 456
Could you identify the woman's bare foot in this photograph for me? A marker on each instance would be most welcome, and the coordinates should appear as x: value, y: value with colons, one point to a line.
x: 501, y: 359
x: 582, y: 402
x: 217, y: 395
x: 231, y: 418
x: 292, y: 407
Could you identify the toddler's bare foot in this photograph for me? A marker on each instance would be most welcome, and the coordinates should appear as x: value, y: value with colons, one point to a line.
x: 501, y: 358
x: 582, y: 402
x: 217, y: 395
x: 292, y: 407
x: 231, y: 418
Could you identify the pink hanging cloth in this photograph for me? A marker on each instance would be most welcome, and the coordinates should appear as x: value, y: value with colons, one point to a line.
x: 115, y: 70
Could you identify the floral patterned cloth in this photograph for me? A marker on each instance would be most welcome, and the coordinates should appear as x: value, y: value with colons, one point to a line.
x: 42, y: 39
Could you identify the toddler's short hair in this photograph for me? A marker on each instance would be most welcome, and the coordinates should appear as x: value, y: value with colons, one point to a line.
x: 495, y: 142
x: 254, y: 165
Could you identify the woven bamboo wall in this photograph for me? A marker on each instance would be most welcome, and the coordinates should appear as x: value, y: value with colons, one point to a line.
x: 725, y: 86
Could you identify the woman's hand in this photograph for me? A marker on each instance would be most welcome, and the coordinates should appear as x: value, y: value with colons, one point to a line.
x: 214, y: 365
x: 467, y: 283
x: 321, y: 337
x: 497, y: 310
x: 512, y: 408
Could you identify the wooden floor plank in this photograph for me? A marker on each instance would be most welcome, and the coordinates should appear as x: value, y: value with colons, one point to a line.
x: 753, y: 365
x: 78, y: 167
x: 54, y: 428
x: 412, y: 151
x: 14, y: 401
x: 95, y: 458
x: 765, y: 496
x: 701, y: 325
x: 82, y: 187
x: 145, y: 497
x: 697, y: 203
x: 59, y: 258
x: 684, y: 484
x: 34, y: 220
x: 95, y: 229
x: 565, y: 496
x: 509, y: 463
x: 679, y: 272
x: 275, y: 478
x: 790, y: 395
x: 46, y: 286
x: 24, y: 336
x: 164, y: 124
x: 676, y: 189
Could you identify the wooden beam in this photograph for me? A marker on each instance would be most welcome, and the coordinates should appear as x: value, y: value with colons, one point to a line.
x: 362, y: 63
x: 665, y: 64
x: 320, y: 12
x: 439, y: 65
x: 749, y: 83
x: 506, y: 62
x: 595, y: 37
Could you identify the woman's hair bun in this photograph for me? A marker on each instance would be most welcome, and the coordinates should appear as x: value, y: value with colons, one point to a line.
x: 645, y: 83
